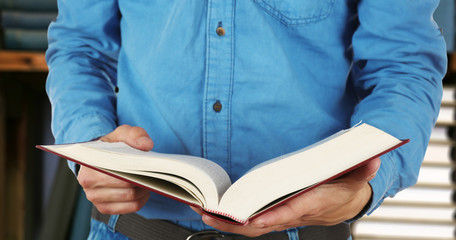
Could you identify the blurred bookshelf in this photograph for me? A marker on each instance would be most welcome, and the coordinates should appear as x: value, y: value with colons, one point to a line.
x: 22, y: 61
x: 24, y: 26
x: 40, y: 195
x: 425, y: 211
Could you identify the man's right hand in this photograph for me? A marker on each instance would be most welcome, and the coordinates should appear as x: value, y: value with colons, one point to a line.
x: 111, y: 195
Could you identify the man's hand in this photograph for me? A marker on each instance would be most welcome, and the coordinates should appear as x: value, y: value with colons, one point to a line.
x: 328, y: 204
x: 111, y: 195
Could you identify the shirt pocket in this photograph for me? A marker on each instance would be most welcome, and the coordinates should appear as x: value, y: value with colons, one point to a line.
x: 297, y: 12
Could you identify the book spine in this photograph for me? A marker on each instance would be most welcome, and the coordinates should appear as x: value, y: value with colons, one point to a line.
x: 25, y: 39
x: 224, y: 217
x: 26, y: 20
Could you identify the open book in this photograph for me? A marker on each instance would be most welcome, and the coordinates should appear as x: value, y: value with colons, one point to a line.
x: 202, y: 183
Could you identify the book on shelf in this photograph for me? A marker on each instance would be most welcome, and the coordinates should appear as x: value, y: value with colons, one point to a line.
x: 447, y: 109
x: 411, y: 213
x: 442, y: 154
x: 438, y: 176
x: 448, y: 95
x: 395, y: 230
x: 32, y: 5
x: 202, y: 183
x: 25, y: 39
x: 443, y: 134
x: 26, y: 19
x: 423, y: 196
x: 446, y: 115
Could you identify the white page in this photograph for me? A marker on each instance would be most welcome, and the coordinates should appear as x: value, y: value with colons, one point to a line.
x: 210, y: 177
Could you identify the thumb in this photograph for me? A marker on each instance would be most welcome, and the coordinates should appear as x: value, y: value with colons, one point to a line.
x: 366, y: 172
x: 136, y: 137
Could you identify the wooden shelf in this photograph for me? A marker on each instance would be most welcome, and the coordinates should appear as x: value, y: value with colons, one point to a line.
x: 22, y: 61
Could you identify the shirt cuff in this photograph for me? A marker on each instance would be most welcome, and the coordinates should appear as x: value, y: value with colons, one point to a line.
x: 84, y: 129
x: 383, y: 182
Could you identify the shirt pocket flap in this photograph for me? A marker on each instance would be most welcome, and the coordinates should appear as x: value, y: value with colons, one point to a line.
x: 299, y: 12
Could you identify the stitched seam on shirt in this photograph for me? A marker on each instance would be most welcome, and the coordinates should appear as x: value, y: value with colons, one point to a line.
x: 63, y: 132
x: 396, y: 173
x: 230, y: 90
x: 208, y: 22
x: 287, y: 21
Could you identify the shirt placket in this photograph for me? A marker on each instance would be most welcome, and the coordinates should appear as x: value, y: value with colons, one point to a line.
x: 219, y: 81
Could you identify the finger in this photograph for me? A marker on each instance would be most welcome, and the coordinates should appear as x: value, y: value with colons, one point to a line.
x: 90, y: 178
x: 366, y: 172
x: 111, y: 195
x: 327, y: 204
x: 121, y: 207
x: 136, y: 137
x: 286, y: 214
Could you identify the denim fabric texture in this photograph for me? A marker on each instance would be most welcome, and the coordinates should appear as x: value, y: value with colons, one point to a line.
x: 243, y: 81
x: 101, y: 231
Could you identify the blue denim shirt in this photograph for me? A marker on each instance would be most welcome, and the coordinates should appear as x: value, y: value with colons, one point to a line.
x: 276, y: 76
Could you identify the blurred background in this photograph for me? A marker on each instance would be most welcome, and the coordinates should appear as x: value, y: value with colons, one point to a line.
x: 40, y: 198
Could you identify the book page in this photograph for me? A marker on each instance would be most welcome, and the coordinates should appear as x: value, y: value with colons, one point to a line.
x: 150, y: 178
x: 211, y: 179
x: 165, y: 186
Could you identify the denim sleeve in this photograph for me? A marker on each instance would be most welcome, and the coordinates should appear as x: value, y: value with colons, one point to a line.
x: 399, y: 63
x: 82, y: 55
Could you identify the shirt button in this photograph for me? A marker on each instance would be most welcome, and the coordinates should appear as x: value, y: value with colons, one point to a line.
x: 217, y: 106
x: 220, y: 31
